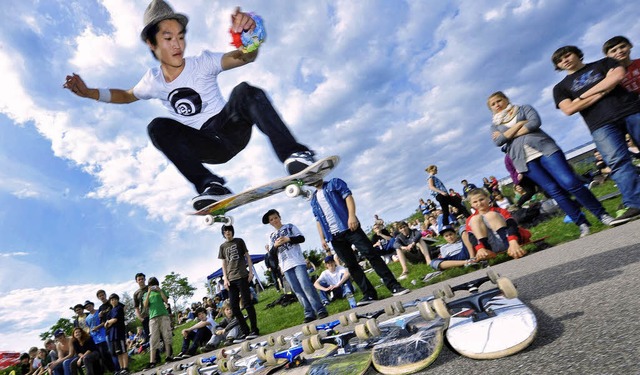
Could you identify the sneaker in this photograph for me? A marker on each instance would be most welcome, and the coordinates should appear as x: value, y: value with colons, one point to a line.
x: 365, y: 301
x: 398, y: 291
x: 606, y: 219
x: 179, y: 355
x: 403, y: 276
x: 124, y: 371
x: 253, y: 334
x: 298, y: 161
x: 431, y: 275
x: 170, y: 359
x: 308, y: 319
x: 325, y: 303
x: 323, y: 315
x: 630, y: 214
x: 213, y: 193
x: 584, y: 230
x: 150, y: 365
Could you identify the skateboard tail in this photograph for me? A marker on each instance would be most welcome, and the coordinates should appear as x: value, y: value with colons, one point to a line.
x: 410, y: 354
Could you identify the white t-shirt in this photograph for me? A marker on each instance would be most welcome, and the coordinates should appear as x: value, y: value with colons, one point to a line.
x: 332, y: 278
x: 194, y: 96
x: 328, y: 212
x: 289, y: 255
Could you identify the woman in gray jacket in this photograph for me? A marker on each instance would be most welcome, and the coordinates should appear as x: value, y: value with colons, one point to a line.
x: 536, y: 155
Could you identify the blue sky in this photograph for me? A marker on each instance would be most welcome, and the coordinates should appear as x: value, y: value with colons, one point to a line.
x: 391, y: 86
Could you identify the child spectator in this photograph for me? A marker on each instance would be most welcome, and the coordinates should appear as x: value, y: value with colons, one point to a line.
x: 25, y: 363
x: 501, y: 201
x: 226, y: 331
x: 492, y: 229
x: 619, y: 48
x: 237, y: 271
x: 334, y: 209
x: 333, y: 282
x: 98, y: 334
x: 116, y: 331
x: 455, y: 253
x: 198, y: 334
x: 410, y: 246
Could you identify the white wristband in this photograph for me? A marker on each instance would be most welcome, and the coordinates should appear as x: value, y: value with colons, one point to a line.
x: 104, y: 95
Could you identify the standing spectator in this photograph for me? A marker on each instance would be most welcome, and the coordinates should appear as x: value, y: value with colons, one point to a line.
x: 619, y: 48
x: 334, y: 209
x: 103, y: 312
x: 285, y: 243
x: 237, y: 271
x: 80, y: 319
x: 87, y: 353
x: 142, y: 313
x: 609, y: 111
x: 116, y: 331
x: 271, y: 262
x: 155, y: 301
x: 99, y: 335
x: 439, y: 191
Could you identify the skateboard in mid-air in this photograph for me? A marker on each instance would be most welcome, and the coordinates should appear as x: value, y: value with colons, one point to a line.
x: 292, y: 185
x: 489, y: 324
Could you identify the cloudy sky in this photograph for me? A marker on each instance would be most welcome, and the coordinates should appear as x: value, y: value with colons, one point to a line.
x: 391, y: 86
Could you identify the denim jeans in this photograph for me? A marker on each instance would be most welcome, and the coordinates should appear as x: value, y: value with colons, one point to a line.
x: 66, y: 364
x: 307, y: 294
x: 221, y: 137
x: 344, y: 289
x: 610, y: 142
x: 554, y: 174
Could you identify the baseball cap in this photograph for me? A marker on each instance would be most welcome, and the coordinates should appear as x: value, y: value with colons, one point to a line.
x: 329, y: 258
x: 447, y: 228
x: 87, y: 302
x: 58, y: 332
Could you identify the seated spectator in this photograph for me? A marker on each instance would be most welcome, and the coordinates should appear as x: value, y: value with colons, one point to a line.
x: 492, y: 229
x: 377, y: 220
x: 83, y: 346
x: 25, y: 363
x: 633, y: 148
x: 198, y: 334
x: 34, y: 361
x: 190, y: 315
x: 63, y: 348
x: 311, y: 268
x: 52, y: 356
x: 433, y: 225
x: 226, y: 331
x: 333, y: 282
x: 455, y: 194
x: 501, y: 201
x: 457, y: 252
x: 410, y: 246
x: 41, y: 362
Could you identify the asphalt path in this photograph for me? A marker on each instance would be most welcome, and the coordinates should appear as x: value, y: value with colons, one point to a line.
x: 585, y: 296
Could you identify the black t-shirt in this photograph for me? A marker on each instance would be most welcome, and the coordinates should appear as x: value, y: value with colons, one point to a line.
x: 617, y: 104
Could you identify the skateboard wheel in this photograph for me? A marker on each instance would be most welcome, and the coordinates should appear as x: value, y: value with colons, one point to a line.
x: 261, y: 353
x: 193, y: 371
x: 246, y: 347
x: 372, y: 327
x: 307, y: 347
x: 280, y: 340
x: 344, y: 320
x: 361, y: 332
x: 228, y: 220
x: 200, y: 362
x: 270, y: 357
x: 426, y: 311
x: 271, y: 341
x: 397, y: 305
x: 222, y: 365
x: 292, y: 191
x: 507, y: 288
x: 448, y: 292
x: 353, y: 318
x: 493, y: 275
x: 305, y: 330
x: 209, y: 220
x: 441, y: 308
x: 178, y: 366
x: 316, y: 344
x: 388, y: 310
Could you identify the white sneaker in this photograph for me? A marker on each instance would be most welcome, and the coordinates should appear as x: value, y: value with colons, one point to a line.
x: 584, y: 230
x: 402, y: 276
x: 606, y: 219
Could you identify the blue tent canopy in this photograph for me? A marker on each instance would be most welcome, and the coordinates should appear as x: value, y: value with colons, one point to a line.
x: 254, y: 258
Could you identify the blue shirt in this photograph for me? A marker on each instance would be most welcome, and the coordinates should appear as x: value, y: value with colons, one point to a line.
x: 100, y: 335
x: 335, y: 192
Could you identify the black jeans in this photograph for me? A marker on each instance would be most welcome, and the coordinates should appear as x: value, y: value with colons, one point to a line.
x: 342, y: 242
x: 196, y: 338
x: 221, y: 137
x: 450, y: 200
x: 240, y: 289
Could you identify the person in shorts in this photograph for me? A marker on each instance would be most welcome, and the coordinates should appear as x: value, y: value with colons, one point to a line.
x: 117, y: 333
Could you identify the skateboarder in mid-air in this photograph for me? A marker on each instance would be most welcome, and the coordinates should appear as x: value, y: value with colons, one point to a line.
x: 201, y: 127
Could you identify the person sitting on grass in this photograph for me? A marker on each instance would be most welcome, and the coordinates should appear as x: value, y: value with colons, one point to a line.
x: 226, y: 331
x: 333, y: 282
x: 198, y: 334
x: 492, y: 229
x: 410, y: 246
x: 457, y: 252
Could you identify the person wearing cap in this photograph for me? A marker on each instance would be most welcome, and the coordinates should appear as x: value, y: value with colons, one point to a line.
x: 62, y: 365
x: 200, y: 126
x: 334, y: 281
x: 98, y: 334
x: 457, y: 252
x: 334, y: 209
x: 237, y: 271
x: 284, y: 244
x: 116, y: 330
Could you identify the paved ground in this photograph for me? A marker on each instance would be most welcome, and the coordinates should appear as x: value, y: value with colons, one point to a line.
x: 585, y: 296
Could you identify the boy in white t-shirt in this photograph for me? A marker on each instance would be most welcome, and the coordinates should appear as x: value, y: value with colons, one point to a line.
x: 200, y: 126
x: 333, y: 282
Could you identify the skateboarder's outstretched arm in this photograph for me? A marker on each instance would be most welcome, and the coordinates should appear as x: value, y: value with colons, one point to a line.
x: 76, y: 85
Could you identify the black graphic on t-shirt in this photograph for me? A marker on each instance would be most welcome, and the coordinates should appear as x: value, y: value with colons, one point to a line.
x: 185, y: 101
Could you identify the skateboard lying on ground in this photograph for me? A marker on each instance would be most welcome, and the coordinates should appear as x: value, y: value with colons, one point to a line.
x: 292, y: 185
x: 490, y: 324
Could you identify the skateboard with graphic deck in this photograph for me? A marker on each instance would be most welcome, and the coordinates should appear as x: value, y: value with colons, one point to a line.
x: 489, y: 324
x: 292, y: 185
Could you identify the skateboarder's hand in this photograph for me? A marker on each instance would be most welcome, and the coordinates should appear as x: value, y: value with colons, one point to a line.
x: 76, y: 85
x: 241, y: 21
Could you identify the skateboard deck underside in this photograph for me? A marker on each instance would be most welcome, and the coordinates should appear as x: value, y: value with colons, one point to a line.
x: 352, y: 364
x: 311, y: 174
x: 413, y: 352
x: 327, y: 350
x: 511, y: 330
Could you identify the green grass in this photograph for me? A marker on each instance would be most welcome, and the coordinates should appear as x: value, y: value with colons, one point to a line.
x: 278, y: 318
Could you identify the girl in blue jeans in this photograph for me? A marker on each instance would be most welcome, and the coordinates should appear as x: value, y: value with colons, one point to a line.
x: 536, y: 155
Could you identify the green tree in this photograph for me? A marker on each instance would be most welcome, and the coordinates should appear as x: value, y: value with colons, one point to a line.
x: 178, y: 288
x: 315, y: 256
x: 65, y: 324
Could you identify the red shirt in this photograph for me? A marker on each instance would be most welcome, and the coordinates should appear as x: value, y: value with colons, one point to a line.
x: 631, y: 80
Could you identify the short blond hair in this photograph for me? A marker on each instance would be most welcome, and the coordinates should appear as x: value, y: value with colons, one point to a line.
x: 431, y: 168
